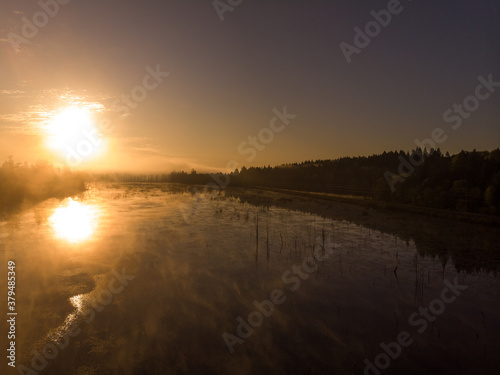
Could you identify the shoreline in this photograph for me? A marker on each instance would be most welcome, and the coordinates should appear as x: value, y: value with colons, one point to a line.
x: 387, y: 207
x: 433, y: 236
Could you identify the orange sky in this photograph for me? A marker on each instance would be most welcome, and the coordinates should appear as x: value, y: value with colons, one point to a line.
x: 225, y: 78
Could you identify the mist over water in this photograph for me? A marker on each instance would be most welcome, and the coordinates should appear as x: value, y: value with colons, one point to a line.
x: 191, y: 281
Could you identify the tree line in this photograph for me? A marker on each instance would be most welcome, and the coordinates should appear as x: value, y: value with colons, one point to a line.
x: 466, y: 182
x: 23, y: 183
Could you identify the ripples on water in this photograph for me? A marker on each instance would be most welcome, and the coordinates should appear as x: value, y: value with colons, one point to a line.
x: 194, y: 279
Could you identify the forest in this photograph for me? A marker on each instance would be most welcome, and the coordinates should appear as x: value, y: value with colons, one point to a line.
x: 26, y: 184
x: 465, y: 182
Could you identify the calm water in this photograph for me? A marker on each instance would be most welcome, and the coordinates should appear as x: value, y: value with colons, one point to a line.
x: 153, y: 279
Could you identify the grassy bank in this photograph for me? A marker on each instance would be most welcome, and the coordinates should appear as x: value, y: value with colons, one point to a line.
x: 447, y: 214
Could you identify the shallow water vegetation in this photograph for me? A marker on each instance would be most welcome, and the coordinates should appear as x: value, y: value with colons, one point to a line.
x: 469, y: 247
x: 23, y: 184
x: 193, y: 281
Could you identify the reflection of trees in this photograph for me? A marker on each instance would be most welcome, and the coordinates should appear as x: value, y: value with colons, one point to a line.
x: 465, y: 182
x: 471, y: 247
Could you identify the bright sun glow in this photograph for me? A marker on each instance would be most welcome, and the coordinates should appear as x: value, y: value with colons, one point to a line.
x: 74, y: 222
x: 72, y: 130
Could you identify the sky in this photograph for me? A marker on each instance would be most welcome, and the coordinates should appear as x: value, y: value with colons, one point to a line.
x: 203, y: 76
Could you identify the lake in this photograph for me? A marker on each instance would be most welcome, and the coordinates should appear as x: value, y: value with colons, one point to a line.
x: 158, y: 279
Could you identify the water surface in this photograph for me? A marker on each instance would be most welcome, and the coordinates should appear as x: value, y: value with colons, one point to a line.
x: 194, y: 264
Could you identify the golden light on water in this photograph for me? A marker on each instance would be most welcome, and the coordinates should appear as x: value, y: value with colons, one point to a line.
x: 77, y: 302
x: 74, y: 222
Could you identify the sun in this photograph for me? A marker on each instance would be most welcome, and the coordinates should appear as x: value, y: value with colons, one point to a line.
x: 72, y: 130
x: 67, y: 126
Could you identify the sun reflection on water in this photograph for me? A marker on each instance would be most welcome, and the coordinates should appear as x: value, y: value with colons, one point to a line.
x: 77, y: 302
x: 74, y: 222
